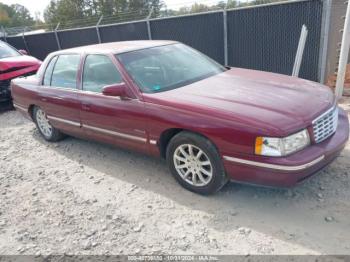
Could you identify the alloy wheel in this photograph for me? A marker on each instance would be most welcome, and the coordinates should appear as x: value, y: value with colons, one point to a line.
x: 43, y: 123
x: 193, y: 165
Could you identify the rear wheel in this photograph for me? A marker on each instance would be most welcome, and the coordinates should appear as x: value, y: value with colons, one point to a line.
x: 45, y: 128
x: 195, y: 163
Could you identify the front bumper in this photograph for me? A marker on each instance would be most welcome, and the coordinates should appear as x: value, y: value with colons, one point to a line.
x: 289, y: 171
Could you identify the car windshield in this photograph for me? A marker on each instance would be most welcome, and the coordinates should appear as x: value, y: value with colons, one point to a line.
x: 167, y: 67
x: 7, y: 51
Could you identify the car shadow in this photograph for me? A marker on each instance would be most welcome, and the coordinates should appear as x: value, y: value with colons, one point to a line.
x: 295, y: 216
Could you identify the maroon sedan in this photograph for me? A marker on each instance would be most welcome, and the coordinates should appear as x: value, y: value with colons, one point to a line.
x: 211, y: 124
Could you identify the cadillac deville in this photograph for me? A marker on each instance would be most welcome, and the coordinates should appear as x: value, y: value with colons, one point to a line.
x: 212, y: 124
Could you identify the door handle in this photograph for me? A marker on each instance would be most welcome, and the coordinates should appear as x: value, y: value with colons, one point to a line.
x: 43, y: 99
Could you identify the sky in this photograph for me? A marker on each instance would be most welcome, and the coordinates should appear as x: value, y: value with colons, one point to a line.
x: 39, y: 5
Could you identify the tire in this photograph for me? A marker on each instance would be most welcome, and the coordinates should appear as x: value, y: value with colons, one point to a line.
x: 188, y: 168
x: 49, y: 133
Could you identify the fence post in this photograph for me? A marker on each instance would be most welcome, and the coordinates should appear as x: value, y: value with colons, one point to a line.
x: 24, y: 41
x: 300, y: 51
x: 56, y: 36
x: 326, y: 20
x: 149, y: 24
x: 225, y: 35
x: 344, y: 53
x: 4, y: 33
x: 98, y: 29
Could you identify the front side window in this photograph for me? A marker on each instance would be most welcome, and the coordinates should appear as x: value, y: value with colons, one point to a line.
x: 7, y: 51
x: 65, y: 71
x: 167, y: 67
x: 99, y: 71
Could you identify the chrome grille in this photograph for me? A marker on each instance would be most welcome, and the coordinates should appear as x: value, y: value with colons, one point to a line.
x: 325, y: 125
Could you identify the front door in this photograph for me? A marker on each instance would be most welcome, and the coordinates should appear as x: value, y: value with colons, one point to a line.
x: 110, y: 119
x: 59, y: 93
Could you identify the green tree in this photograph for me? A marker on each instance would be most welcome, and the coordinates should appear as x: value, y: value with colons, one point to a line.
x: 183, y: 10
x: 231, y: 4
x: 197, y: 8
x: 64, y: 11
x: 15, y: 15
x: 259, y: 2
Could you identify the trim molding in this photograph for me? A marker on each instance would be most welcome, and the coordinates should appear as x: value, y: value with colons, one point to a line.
x: 273, y: 166
x: 101, y: 130
x: 113, y: 133
x: 64, y: 121
x: 20, y: 107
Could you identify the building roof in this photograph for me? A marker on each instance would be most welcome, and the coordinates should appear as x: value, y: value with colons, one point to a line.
x: 117, y: 47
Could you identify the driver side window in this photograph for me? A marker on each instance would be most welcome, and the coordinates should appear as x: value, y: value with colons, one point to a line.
x: 99, y: 71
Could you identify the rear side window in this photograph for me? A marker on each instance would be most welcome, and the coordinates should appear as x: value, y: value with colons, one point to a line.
x: 48, y: 72
x: 99, y: 71
x: 65, y: 71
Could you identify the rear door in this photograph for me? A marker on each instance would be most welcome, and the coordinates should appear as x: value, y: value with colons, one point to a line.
x: 59, y: 93
x: 110, y: 119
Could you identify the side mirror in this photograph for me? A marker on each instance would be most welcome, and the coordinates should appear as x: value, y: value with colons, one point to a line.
x: 115, y: 90
x: 23, y: 52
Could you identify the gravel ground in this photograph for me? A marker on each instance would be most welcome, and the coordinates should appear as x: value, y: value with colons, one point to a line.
x: 81, y: 197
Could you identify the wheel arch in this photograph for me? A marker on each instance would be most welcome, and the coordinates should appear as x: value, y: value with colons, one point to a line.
x: 169, y: 133
x: 31, y: 110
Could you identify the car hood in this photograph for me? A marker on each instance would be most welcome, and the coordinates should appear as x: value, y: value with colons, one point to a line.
x: 269, y: 102
x: 20, y: 61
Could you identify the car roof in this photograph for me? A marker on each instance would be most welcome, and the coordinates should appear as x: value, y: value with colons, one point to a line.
x: 116, y: 47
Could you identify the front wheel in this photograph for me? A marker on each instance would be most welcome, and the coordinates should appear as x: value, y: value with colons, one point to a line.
x: 195, y: 163
x: 45, y: 128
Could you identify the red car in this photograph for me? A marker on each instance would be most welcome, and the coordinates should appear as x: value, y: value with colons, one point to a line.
x: 211, y: 124
x: 14, y: 63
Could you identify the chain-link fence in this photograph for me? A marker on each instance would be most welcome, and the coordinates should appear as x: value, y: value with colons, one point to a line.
x: 202, y: 31
x: 266, y: 38
x: 263, y: 37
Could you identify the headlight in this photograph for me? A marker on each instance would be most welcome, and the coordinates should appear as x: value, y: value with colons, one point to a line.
x: 273, y: 146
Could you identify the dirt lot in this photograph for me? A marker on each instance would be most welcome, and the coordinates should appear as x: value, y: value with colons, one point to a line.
x: 81, y: 197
